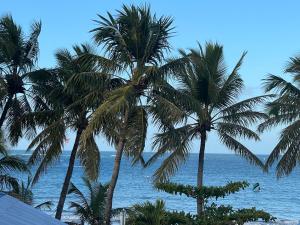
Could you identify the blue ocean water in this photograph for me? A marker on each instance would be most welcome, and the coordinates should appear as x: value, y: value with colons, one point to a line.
x: 279, y: 197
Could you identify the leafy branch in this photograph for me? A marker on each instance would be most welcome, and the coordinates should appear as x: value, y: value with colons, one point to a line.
x: 205, y: 192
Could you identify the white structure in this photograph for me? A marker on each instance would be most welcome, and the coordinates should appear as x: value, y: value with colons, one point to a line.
x: 15, y: 212
x: 123, y: 217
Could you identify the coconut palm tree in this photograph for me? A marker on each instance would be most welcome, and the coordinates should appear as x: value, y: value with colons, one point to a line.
x: 90, y: 209
x: 284, y: 111
x: 67, y: 110
x: 8, y: 166
x: 18, y: 54
x: 135, y: 42
x: 208, y: 96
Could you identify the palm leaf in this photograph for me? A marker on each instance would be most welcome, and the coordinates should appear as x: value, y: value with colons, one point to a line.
x: 241, y: 150
x: 89, y: 156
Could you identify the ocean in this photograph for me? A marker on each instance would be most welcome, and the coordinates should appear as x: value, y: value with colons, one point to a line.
x: 280, y: 197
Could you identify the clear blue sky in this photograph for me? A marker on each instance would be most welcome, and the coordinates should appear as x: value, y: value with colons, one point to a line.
x: 268, y: 30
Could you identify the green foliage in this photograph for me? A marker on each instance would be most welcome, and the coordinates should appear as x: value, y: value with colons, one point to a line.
x: 135, y: 42
x: 213, y: 214
x: 245, y: 215
x: 8, y: 166
x: 156, y: 214
x: 18, y: 55
x: 90, y: 209
x: 25, y: 194
x: 284, y: 111
x: 226, y: 215
x: 203, y: 192
x: 62, y: 108
x: 206, y: 100
x: 134, y: 35
x: 148, y: 214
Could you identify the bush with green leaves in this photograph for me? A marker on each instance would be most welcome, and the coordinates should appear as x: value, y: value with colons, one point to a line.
x: 226, y: 215
x: 156, y: 214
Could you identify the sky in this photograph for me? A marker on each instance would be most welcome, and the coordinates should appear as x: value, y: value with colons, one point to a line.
x: 268, y: 30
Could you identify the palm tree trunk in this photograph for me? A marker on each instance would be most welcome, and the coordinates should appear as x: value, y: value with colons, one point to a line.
x: 113, y: 182
x: 5, y: 110
x: 116, y: 170
x: 64, y: 190
x: 200, y: 201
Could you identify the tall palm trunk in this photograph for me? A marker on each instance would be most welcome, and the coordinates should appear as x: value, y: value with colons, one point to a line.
x: 200, y: 201
x: 64, y: 190
x: 116, y: 170
x: 5, y: 110
x: 113, y: 182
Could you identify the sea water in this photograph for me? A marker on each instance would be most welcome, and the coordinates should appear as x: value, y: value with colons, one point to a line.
x: 280, y: 197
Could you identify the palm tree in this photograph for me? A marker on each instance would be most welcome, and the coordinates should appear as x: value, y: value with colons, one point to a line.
x: 66, y: 108
x: 148, y: 214
x: 18, y: 54
x: 9, y: 165
x: 156, y: 214
x: 208, y: 97
x: 284, y: 110
x: 90, y: 209
x: 135, y: 42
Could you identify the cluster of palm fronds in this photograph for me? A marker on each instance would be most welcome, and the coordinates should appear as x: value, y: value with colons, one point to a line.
x: 116, y: 93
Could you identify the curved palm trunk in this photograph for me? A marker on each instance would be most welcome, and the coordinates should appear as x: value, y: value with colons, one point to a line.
x: 200, y: 201
x: 5, y: 110
x: 115, y: 173
x: 64, y: 190
x: 113, y: 182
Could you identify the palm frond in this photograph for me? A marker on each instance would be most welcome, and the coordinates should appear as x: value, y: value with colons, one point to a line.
x: 74, y: 190
x: 246, y: 105
x: 49, y: 157
x: 243, y: 118
x: 134, y: 35
x: 136, y: 133
x: 53, y: 134
x: 235, y: 130
x: 8, y: 182
x: 89, y: 208
x: 177, y: 142
x: 89, y: 156
x: 44, y: 205
x: 289, y: 160
x: 241, y: 150
x: 12, y: 164
x: 287, y: 140
x: 232, y: 86
x: 280, y: 85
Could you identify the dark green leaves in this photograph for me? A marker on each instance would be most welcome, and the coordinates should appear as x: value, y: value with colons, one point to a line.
x: 89, y: 208
x: 206, y: 100
x: 134, y: 35
x: 204, y: 192
x: 284, y: 110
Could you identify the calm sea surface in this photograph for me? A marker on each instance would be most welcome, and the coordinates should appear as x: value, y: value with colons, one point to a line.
x: 279, y: 197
